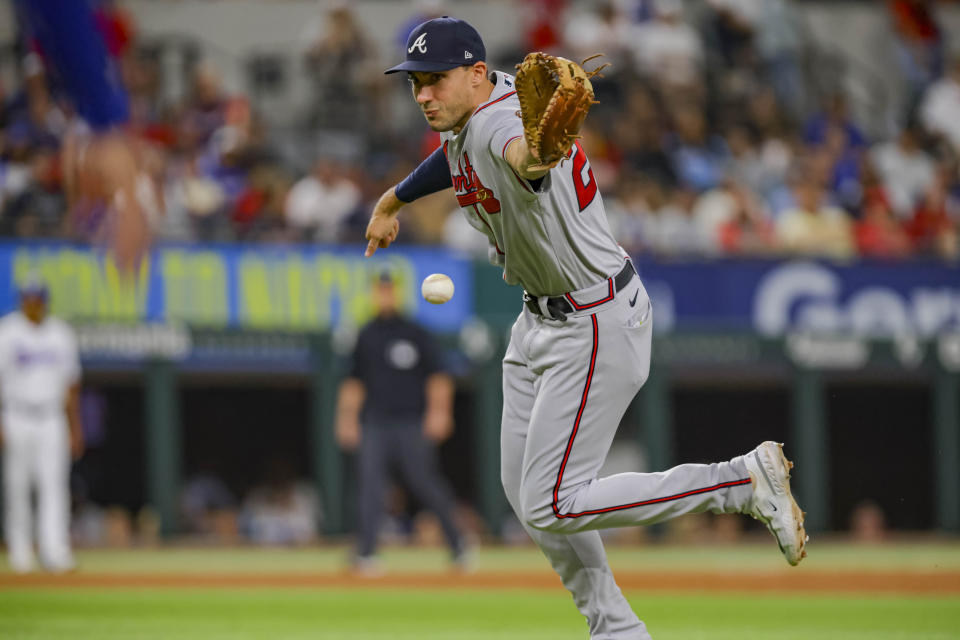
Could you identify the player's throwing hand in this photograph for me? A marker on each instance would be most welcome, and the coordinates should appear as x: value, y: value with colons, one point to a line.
x: 384, y: 225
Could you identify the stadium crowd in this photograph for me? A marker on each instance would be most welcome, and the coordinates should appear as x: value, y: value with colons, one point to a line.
x: 715, y: 136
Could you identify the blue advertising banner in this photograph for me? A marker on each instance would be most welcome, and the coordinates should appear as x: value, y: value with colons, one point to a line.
x: 230, y: 286
x: 774, y: 297
x: 311, y: 288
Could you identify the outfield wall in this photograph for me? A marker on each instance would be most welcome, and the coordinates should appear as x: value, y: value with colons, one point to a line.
x: 856, y: 366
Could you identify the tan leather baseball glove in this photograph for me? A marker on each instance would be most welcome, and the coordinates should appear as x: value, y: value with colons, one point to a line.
x: 555, y: 95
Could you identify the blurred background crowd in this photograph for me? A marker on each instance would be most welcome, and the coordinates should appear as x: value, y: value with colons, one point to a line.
x: 723, y: 129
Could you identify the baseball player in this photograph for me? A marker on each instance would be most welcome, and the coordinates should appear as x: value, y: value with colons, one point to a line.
x: 39, y: 409
x: 580, y: 349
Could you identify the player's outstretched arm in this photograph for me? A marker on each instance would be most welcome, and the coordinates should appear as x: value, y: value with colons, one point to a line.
x: 430, y: 176
x: 383, y: 226
x: 519, y: 156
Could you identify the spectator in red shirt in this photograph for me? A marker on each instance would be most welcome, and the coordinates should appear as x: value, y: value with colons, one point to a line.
x: 544, y: 24
x: 750, y: 231
x: 935, y: 225
x: 878, y: 234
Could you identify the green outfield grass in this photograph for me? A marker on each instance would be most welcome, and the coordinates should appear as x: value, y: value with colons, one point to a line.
x: 49, y: 610
x: 365, y: 614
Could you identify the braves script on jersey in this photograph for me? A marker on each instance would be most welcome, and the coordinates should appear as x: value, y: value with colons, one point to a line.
x: 561, y: 241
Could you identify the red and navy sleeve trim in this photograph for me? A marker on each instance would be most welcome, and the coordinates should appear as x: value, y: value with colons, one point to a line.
x: 503, y: 152
x: 576, y: 427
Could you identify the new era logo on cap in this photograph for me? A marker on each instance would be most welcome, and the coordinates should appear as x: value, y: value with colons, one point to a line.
x: 452, y: 43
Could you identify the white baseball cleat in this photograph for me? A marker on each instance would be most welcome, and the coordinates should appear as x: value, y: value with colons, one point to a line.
x: 772, y: 502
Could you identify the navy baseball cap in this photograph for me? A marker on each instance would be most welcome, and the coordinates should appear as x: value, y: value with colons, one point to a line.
x: 441, y: 44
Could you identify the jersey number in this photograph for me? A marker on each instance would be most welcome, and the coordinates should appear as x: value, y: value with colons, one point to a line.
x: 583, y: 181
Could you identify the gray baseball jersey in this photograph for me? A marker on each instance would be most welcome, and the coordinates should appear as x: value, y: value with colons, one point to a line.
x: 567, y: 380
x: 550, y: 237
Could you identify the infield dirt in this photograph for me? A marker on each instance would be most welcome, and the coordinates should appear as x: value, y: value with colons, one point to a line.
x: 796, y: 580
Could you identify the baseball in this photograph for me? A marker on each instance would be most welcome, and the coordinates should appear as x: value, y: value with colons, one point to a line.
x: 437, y: 288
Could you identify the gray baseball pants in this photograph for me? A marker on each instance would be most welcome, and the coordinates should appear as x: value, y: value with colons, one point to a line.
x: 566, y: 385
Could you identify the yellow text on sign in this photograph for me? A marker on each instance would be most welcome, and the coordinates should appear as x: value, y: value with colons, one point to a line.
x: 195, y: 287
x: 301, y: 292
x: 85, y: 284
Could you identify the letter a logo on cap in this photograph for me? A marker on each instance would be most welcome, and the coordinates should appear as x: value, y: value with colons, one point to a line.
x: 420, y: 44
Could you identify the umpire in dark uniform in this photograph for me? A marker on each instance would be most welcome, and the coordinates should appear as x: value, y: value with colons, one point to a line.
x: 395, y: 406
